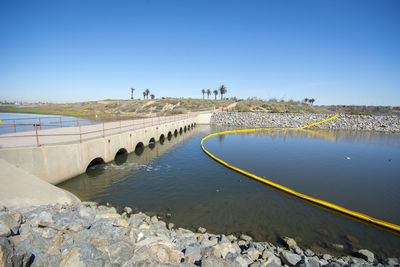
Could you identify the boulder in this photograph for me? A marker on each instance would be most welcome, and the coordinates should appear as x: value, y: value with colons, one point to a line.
x: 246, y: 238
x: 289, y: 242
x: 73, y: 259
x: 8, y: 225
x: 201, y: 230
x: 366, y: 255
x: 252, y: 253
x: 290, y: 259
x: 270, y: 257
x: 164, y: 253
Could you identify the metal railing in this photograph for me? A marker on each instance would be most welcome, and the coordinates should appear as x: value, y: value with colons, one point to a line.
x: 78, y: 133
x: 40, y: 121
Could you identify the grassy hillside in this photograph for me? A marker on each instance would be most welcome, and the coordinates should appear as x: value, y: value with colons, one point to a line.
x: 123, y: 109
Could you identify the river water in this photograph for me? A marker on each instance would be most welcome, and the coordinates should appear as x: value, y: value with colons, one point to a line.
x: 177, y: 181
x: 20, y: 122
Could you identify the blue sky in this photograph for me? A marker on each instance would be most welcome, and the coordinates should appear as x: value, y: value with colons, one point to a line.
x: 338, y: 52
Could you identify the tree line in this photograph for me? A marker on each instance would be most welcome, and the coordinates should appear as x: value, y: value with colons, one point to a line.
x: 146, y: 94
x: 221, y: 90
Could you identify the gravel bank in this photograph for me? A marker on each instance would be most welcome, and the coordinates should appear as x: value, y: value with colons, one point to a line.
x: 287, y: 120
x: 86, y: 234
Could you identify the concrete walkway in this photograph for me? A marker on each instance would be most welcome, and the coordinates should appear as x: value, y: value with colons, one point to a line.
x: 77, y: 134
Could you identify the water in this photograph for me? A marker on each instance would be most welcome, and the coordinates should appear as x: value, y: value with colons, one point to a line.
x: 52, y: 121
x: 357, y: 170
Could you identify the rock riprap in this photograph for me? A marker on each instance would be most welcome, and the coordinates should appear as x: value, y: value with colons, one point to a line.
x: 294, y: 120
x: 86, y: 234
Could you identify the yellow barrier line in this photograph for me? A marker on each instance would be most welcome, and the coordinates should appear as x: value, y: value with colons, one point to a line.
x: 331, y: 206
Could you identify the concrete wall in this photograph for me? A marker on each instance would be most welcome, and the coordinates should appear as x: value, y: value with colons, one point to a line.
x: 57, y: 163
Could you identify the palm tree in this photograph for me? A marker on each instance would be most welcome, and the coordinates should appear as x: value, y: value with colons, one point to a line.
x: 215, y: 93
x: 152, y: 96
x: 147, y: 92
x: 305, y: 100
x: 222, y: 90
x: 208, y: 93
x: 203, y: 92
x: 144, y: 95
x: 132, y: 90
x: 312, y: 100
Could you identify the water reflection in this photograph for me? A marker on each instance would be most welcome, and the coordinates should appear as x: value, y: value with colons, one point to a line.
x: 124, y: 165
x: 180, y: 180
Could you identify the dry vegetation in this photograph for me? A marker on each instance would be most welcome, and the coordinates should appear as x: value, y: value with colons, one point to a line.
x: 123, y: 109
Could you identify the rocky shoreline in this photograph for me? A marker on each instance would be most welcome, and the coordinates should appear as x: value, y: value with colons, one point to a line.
x: 87, y: 234
x: 389, y: 124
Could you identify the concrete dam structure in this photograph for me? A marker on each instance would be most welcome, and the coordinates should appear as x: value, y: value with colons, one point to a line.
x: 56, y: 155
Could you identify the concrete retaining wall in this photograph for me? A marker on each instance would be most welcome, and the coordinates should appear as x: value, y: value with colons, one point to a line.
x: 57, y: 163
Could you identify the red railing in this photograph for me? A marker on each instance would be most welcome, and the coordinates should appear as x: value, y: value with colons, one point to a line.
x: 79, y: 133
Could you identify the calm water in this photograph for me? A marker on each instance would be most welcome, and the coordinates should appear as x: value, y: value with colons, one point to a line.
x: 357, y: 170
x: 8, y: 118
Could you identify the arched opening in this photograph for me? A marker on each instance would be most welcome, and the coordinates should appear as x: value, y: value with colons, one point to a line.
x: 176, y: 132
x: 162, y: 138
x: 184, y: 128
x: 95, y: 167
x: 152, y: 143
x: 189, y: 127
x: 169, y: 136
x: 121, y: 156
x: 180, y: 130
x: 139, y: 148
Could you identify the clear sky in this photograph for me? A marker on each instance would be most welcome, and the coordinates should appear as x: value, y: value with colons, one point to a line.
x: 337, y: 51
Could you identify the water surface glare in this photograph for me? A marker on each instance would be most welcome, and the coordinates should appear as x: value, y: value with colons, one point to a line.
x: 357, y: 170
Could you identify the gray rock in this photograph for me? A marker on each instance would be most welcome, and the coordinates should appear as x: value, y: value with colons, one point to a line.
x: 44, y: 217
x: 9, y: 256
x: 73, y: 259
x: 154, y: 219
x: 141, y: 255
x: 246, y: 238
x: 335, y: 264
x: 289, y: 258
x: 242, y: 243
x: 8, y: 223
x: 128, y: 210
x: 307, y: 262
x: 345, y: 122
x: 327, y: 257
x: 224, y: 248
x: 235, y: 257
x: 252, y: 253
x: 164, y: 253
x: 297, y: 250
x: 184, y: 232
x: 192, y: 255
x: 289, y: 242
x: 212, y: 261
x: 256, y: 264
x: 270, y: 257
x: 201, y: 230
x: 232, y: 238
x: 392, y: 261
x: 90, y: 204
x: 366, y: 255
x: 4, y: 229
x: 170, y: 226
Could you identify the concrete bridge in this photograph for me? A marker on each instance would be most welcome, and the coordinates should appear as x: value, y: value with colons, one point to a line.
x: 55, y: 155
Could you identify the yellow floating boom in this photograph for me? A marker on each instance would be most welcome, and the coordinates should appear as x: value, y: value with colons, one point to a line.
x: 365, y: 218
